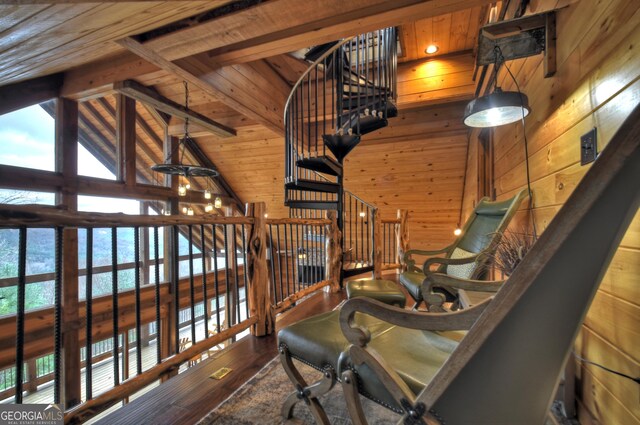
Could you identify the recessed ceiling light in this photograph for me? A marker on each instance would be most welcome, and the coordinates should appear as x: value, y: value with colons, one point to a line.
x: 431, y: 49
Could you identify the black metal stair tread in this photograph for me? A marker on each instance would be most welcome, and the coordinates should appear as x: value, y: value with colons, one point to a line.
x: 313, y: 186
x: 368, y: 124
x: 312, y: 205
x: 321, y: 164
x: 316, y: 51
x: 340, y: 145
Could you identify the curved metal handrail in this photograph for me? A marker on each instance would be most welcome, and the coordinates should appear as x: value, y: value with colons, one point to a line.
x: 311, y: 68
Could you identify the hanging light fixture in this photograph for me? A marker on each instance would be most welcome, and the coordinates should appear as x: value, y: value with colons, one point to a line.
x: 189, y: 211
x: 499, y: 107
x: 178, y: 168
x: 208, y: 207
x: 217, y: 202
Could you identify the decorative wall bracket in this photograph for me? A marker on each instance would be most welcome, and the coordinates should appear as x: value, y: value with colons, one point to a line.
x: 520, y: 38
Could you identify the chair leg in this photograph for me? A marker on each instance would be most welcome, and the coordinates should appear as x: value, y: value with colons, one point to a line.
x: 304, y: 391
x: 350, y: 390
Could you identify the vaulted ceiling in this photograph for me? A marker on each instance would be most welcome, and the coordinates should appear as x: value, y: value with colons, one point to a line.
x: 235, y: 57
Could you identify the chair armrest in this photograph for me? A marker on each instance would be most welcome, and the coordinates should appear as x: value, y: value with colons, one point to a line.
x: 411, y: 263
x: 444, y: 280
x: 451, y: 261
x: 360, y: 336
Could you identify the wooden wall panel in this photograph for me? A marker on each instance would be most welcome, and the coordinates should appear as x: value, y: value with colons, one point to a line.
x: 437, y: 80
x: 417, y: 163
x: 597, y: 85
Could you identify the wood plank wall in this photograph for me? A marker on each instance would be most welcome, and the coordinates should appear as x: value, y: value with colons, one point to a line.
x: 597, y: 85
x: 416, y: 163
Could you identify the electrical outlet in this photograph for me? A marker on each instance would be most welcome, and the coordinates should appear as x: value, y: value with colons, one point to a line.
x: 588, y: 147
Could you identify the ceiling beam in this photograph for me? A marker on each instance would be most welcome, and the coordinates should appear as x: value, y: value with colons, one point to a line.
x: 26, y: 93
x: 292, y: 25
x: 150, y: 97
x: 236, y: 38
x: 253, y: 90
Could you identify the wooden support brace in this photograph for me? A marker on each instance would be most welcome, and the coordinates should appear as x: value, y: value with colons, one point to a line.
x: 334, y: 251
x: 258, y: 293
x: 377, y: 244
x: 402, y: 237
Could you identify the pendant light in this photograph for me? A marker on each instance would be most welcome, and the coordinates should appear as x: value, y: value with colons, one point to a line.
x: 185, y: 170
x: 499, y: 107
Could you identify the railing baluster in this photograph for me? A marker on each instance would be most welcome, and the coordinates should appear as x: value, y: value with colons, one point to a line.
x: 205, y: 298
x: 286, y: 259
x: 235, y: 273
x: 156, y: 254
x: 57, y: 331
x: 89, y: 320
x: 192, y: 296
x: 114, y: 307
x: 245, y: 274
x: 279, y: 261
x: 136, y: 242
x: 296, y: 259
x: 175, y: 284
x: 215, y: 274
x: 228, y: 308
x: 22, y: 265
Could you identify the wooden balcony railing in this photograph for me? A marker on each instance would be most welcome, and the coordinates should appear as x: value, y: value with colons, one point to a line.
x: 260, y: 267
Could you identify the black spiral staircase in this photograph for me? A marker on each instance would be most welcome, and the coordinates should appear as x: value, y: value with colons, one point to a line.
x: 348, y: 91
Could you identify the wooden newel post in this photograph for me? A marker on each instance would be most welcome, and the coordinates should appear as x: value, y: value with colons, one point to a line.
x: 402, y: 237
x: 333, y: 248
x: 259, y: 296
x: 377, y: 244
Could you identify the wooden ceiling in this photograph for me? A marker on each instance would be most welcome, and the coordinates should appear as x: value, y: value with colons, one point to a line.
x: 234, y: 55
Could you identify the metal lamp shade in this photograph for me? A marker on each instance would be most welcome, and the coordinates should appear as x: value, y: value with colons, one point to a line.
x: 496, y: 109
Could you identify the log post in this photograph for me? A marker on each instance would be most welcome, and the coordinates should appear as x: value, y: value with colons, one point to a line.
x: 402, y: 237
x: 31, y: 386
x: 333, y: 249
x: 67, y: 163
x: 258, y: 293
x: 377, y: 244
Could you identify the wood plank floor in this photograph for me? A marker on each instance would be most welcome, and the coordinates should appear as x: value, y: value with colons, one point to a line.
x: 186, y: 398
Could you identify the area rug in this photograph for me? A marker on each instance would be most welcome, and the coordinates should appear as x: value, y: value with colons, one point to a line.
x: 259, y: 401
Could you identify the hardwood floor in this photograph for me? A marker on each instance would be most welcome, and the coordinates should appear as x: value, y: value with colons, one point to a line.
x: 186, y: 398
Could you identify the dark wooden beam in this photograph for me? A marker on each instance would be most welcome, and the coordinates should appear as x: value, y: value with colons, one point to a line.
x: 66, y: 136
x: 31, y: 92
x: 149, y: 96
x: 126, y: 139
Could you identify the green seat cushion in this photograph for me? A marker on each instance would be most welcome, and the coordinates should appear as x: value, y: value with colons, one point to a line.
x: 318, y: 340
x: 382, y: 290
x: 412, y: 281
x: 415, y: 355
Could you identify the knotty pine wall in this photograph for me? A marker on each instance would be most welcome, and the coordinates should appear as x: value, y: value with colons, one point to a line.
x: 416, y: 163
x: 597, y: 85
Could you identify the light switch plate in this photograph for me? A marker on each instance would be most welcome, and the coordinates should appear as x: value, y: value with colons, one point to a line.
x: 588, y: 147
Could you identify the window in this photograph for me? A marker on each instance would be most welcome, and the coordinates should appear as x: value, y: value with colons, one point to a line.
x: 28, y: 137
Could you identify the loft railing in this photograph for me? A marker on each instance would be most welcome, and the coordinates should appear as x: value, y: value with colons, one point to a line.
x: 170, y: 316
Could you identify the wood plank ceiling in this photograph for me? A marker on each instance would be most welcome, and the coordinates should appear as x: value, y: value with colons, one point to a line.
x: 234, y: 56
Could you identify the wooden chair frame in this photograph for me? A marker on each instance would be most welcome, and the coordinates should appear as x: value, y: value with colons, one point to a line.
x: 505, y: 370
x: 433, y: 300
